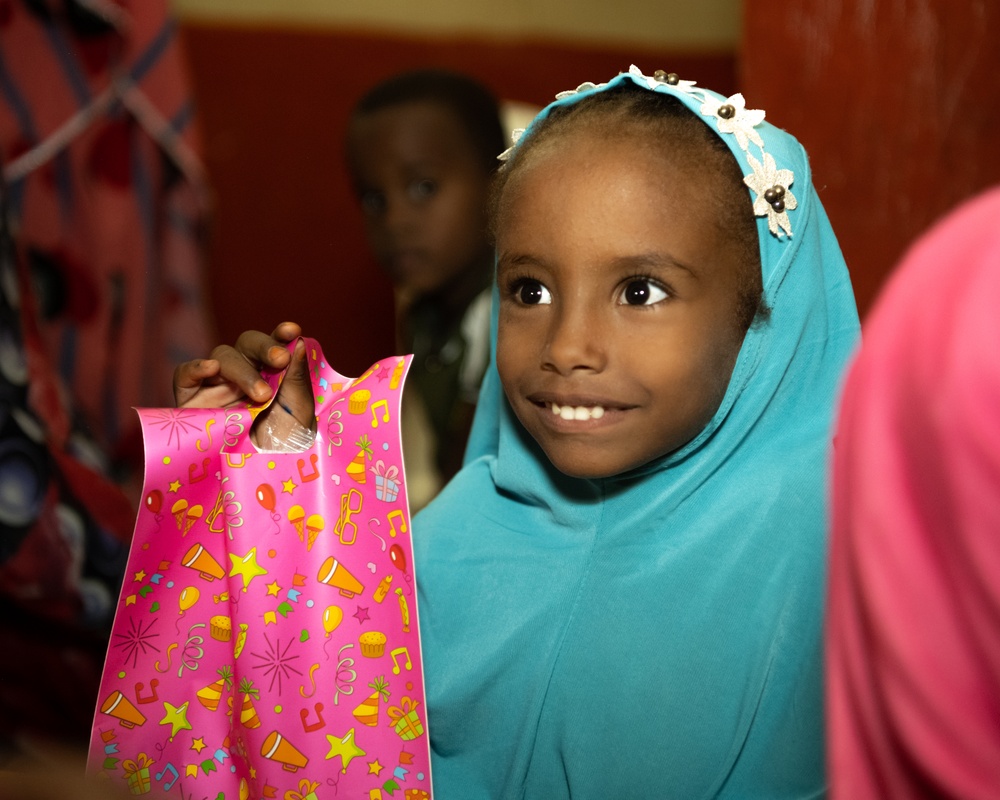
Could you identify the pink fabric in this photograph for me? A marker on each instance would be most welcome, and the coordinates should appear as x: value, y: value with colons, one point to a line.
x: 914, y: 626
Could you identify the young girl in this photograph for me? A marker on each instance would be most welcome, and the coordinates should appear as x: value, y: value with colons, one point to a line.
x: 621, y: 592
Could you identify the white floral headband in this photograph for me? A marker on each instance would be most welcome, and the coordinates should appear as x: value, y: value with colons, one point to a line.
x: 772, y: 186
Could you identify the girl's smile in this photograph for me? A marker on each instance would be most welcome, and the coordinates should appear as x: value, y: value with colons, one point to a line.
x: 618, y: 328
x: 564, y: 412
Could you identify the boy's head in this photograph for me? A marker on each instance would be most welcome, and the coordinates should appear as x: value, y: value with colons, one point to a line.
x: 629, y: 272
x: 421, y: 149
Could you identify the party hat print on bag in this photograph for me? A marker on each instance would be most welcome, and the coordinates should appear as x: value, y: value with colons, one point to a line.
x: 248, y: 714
x: 356, y: 469
x: 209, y: 696
x: 231, y: 655
x: 367, y: 711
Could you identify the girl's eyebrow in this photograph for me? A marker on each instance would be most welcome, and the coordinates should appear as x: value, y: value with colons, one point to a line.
x: 638, y: 263
x: 642, y: 262
x: 509, y: 260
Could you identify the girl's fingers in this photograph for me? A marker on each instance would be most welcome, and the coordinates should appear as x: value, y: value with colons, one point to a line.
x: 190, y: 376
x: 232, y: 374
x: 240, y: 366
x: 286, y: 331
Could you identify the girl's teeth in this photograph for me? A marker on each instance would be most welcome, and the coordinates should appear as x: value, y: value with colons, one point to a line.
x: 577, y: 412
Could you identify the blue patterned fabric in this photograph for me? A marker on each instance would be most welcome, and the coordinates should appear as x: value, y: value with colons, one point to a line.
x: 657, y: 633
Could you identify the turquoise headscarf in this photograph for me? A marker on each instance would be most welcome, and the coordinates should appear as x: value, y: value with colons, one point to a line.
x: 658, y: 633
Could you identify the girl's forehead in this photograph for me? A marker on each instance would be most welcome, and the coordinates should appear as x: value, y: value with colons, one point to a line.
x: 629, y: 161
x: 610, y: 199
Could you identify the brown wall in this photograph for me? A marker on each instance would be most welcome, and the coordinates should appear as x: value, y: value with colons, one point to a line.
x: 897, y: 102
x: 273, y: 105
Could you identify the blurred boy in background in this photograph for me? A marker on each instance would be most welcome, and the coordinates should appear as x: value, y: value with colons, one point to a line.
x: 421, y: 149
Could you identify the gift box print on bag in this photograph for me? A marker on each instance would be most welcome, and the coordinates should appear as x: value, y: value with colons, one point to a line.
x: 265, y: 644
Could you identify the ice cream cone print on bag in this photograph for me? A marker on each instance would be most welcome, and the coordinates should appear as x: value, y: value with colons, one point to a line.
x: 191, y: 516
x: 297, y: 516
x: 179, y: 510
x: 210, y: 695
x: 356, y: 469
x: 367, y: 711
x: 314, y: 526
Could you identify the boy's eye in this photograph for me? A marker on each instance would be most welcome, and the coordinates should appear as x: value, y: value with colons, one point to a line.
x: 642, y: 292
x: 532, y: 293
x: 373, y: 202
x: 421, y: 190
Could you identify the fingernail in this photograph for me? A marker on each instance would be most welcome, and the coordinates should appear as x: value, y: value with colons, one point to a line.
x: 275, y: 352
x: 261, y: 389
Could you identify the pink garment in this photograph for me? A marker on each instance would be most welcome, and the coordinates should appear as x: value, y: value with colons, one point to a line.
x: 914, y: 625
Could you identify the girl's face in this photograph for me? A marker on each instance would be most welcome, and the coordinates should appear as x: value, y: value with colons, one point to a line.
x: 423, y: 193
x: 618, y: 292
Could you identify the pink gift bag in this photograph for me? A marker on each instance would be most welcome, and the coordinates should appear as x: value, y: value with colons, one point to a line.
x: 266, y: 642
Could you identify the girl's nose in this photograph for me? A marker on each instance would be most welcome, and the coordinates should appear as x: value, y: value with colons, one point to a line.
x: 574, y: 342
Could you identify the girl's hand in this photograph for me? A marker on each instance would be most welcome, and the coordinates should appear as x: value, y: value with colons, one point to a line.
x: 232, y: 375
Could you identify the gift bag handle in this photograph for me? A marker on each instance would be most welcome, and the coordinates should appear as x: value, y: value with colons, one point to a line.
x: 238, y: 423
x: 333, y: 394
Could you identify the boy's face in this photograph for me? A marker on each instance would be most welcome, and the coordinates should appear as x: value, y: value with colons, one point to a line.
x: 618, y: 302
x: 423, y: 193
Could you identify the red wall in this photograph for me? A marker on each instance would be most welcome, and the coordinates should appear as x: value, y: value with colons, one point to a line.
x: 273, y: 106
x: 897, y: 102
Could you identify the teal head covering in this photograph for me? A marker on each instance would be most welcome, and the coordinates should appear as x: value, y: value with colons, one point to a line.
x: 656, y: 633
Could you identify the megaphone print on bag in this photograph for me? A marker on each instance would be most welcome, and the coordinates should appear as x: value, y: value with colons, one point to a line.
x: 253, y: 622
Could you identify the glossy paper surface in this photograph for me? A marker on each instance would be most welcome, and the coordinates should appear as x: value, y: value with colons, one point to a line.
x: 266, y: 640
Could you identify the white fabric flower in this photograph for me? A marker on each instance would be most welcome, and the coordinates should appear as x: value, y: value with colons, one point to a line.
x: 736, y: 119
x: 515, y: 137
x: 586, y: 86
x: 767, y: 177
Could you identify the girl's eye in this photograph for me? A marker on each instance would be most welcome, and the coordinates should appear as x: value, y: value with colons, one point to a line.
x: 421, y: 190
x: 642, y: 292
x: 532, y: 293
